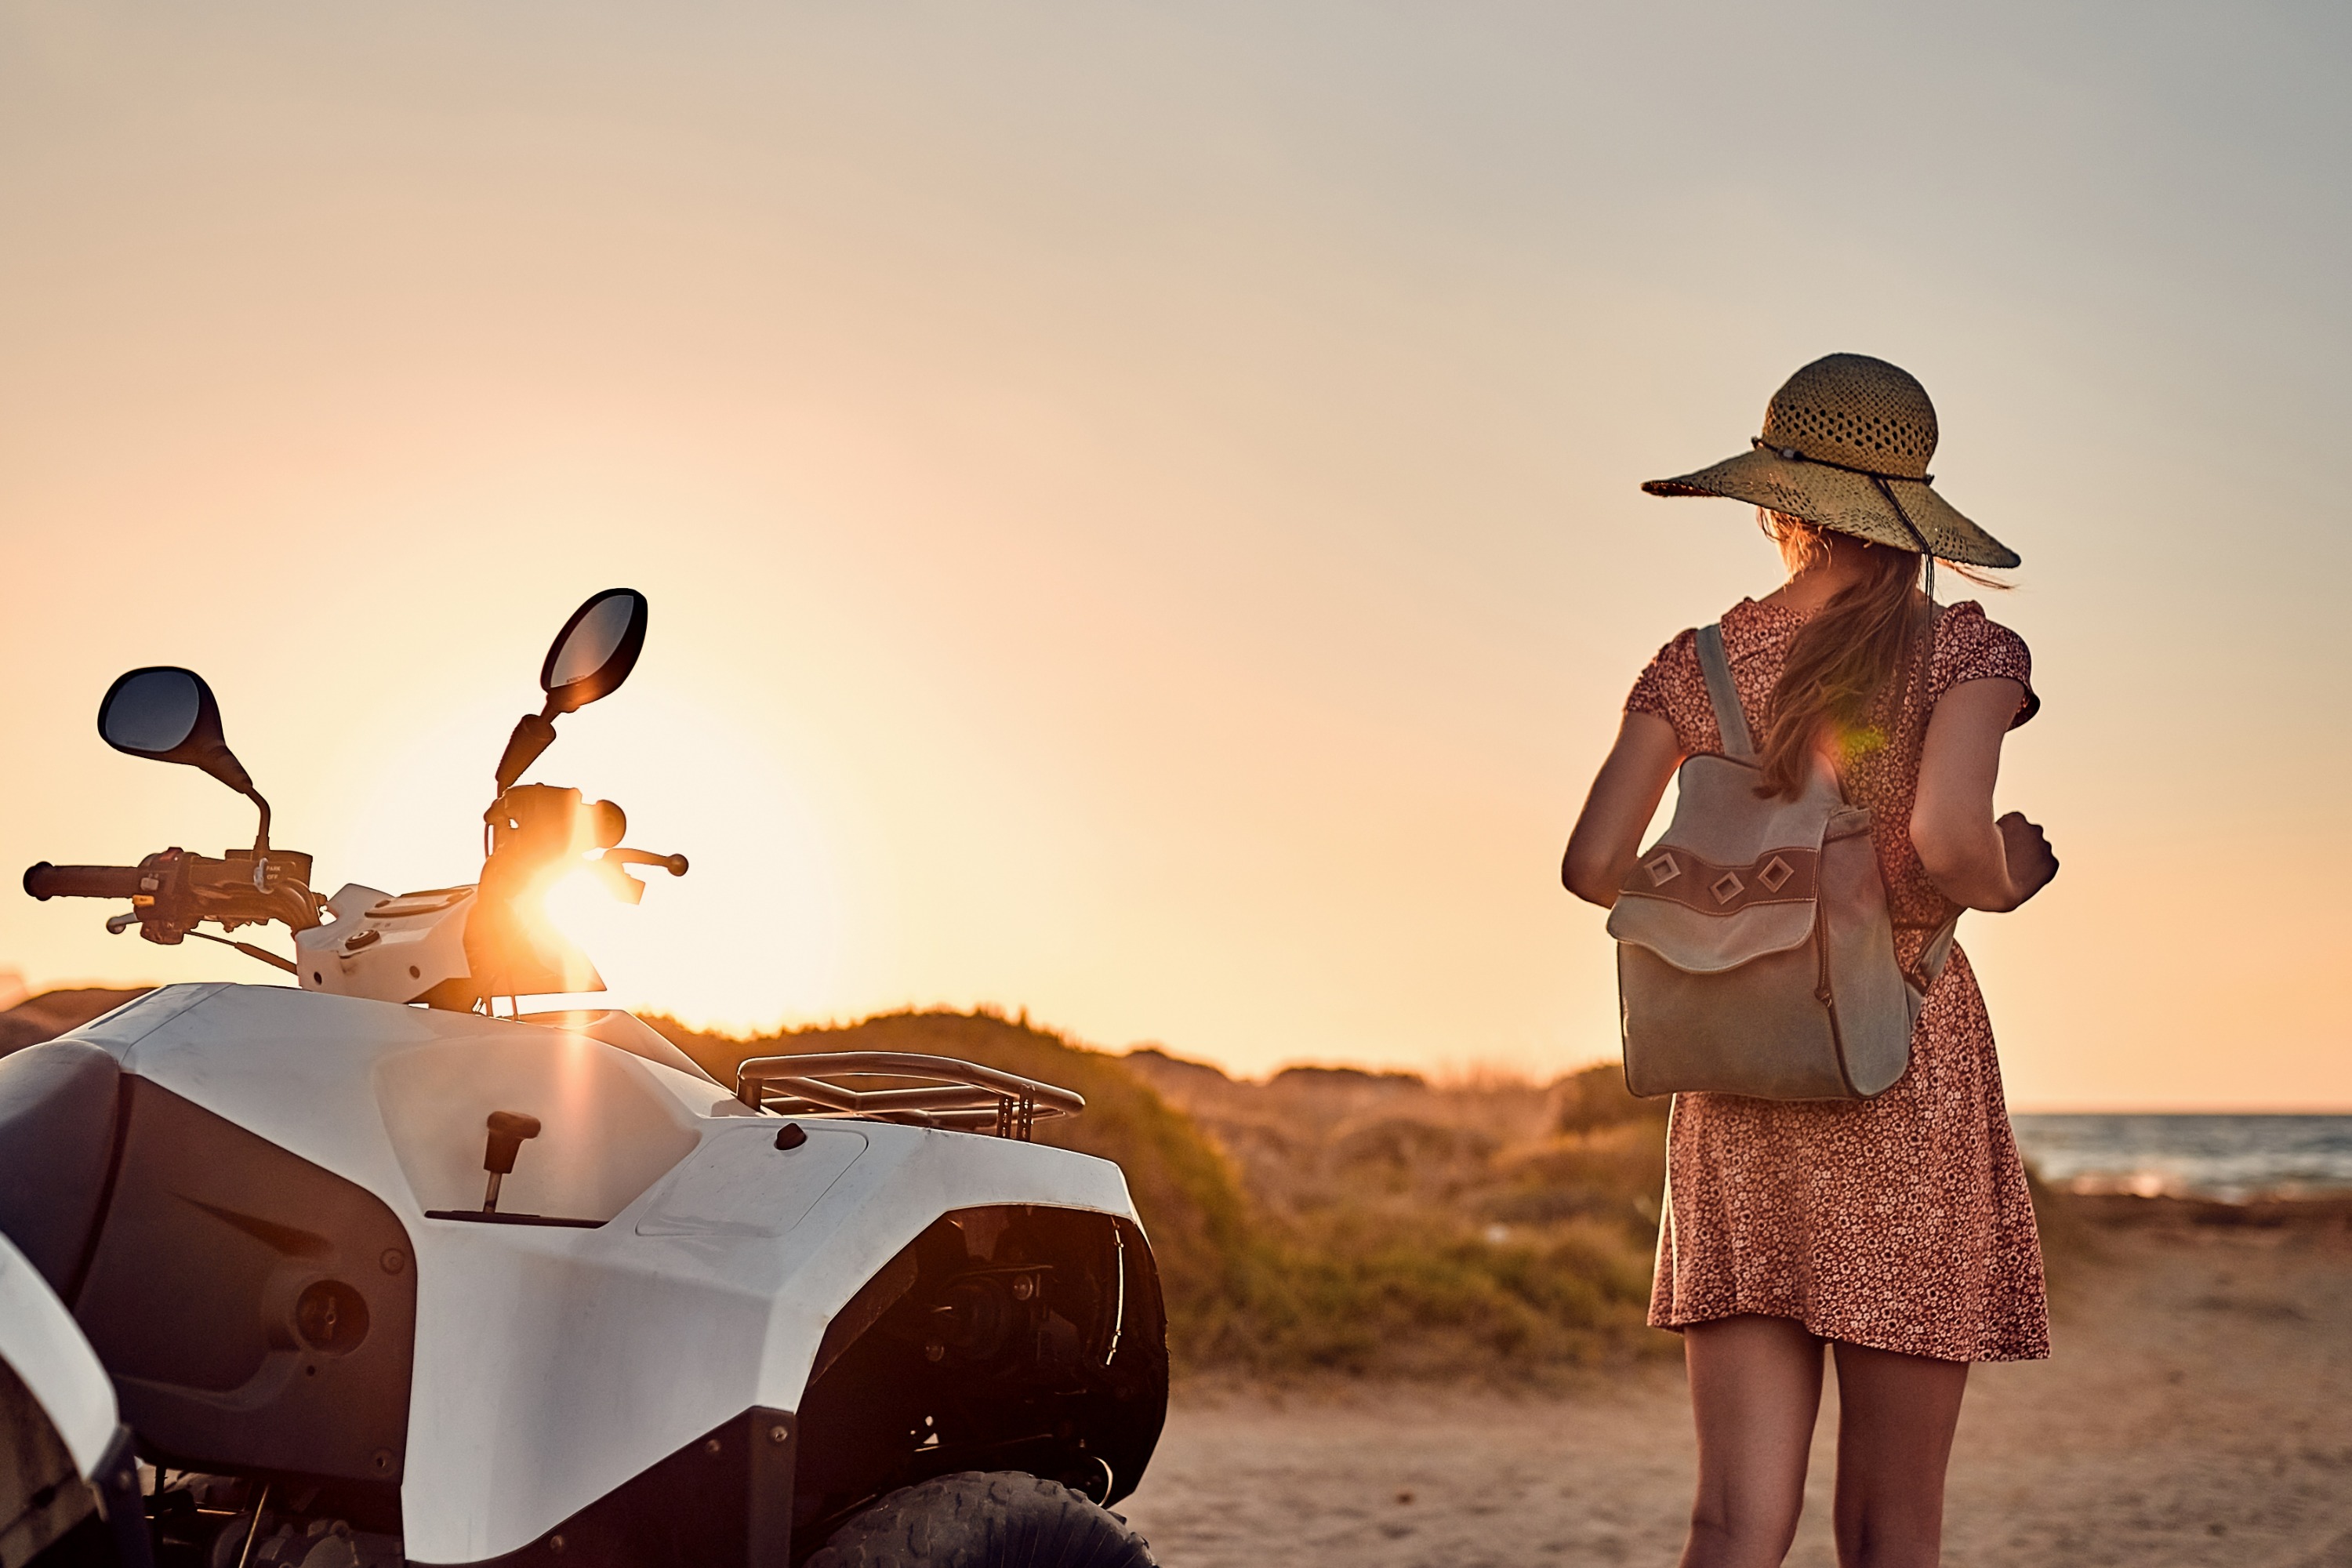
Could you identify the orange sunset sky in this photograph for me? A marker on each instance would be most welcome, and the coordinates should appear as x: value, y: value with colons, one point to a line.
x: 1139, y: 502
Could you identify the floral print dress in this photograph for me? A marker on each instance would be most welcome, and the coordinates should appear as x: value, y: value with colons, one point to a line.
x: 1904, y: 1222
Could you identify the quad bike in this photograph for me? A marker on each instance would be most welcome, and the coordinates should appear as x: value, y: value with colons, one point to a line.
x: 383, y: 1268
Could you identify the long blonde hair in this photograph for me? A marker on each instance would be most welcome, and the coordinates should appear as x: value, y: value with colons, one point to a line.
x: 1848, y: 666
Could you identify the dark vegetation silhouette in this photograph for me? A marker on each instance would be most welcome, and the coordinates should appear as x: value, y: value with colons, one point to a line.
x: 52, y: 1013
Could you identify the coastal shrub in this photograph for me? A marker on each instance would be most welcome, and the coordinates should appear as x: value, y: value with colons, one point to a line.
x: 1426, y: 1299
x: 1596, y: 1098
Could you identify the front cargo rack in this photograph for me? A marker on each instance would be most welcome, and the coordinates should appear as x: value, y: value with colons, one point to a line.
x: 970, y: 1096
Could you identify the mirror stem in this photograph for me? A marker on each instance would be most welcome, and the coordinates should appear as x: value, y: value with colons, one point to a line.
x: 261, y: 834
x: 533, y: 734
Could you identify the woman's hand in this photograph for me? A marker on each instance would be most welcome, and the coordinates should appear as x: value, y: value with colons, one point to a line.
x: 1973, y: 860
x: 2026, y: 851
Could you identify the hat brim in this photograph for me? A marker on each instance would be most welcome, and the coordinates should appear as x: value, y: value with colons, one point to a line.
x: 1843, y: 499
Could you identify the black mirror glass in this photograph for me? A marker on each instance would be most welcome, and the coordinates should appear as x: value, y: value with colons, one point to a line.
x: 169, y: 714
x: 596, y: 649
x: 153, y: 712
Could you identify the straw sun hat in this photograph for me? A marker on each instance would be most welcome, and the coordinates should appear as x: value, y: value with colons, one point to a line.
x: 1845, y: 445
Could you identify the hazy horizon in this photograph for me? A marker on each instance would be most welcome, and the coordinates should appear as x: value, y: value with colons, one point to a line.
x: 1139, y: 507
x: 1448, y: 1076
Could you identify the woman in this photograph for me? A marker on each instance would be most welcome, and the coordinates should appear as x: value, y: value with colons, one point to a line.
x: 1896, y: 1230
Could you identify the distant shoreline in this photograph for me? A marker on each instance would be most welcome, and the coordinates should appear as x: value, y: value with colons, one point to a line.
x: 2176, y: 1110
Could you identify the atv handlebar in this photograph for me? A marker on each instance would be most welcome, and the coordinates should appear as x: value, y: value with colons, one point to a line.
x: 172, y: 890
x: 45, y: 882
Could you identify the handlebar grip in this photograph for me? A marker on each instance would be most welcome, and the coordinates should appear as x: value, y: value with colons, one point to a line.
x: 45, y: 882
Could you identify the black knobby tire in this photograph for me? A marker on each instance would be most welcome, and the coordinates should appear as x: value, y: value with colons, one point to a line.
x: 1004, y: 1519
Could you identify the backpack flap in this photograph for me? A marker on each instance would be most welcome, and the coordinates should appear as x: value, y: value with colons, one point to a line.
x: 1700, y: 944
x: 1734, y: 878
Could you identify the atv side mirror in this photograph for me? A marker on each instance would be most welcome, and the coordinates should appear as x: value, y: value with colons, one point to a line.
x: 594, y: 651
x: 589, y: 658
x: 169, y: 715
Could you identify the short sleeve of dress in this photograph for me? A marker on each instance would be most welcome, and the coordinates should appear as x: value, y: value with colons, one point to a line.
x: 1664, y: 684
x: 1971, y: 647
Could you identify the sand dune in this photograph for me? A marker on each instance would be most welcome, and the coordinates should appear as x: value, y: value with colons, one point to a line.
x: 2198, y: 1410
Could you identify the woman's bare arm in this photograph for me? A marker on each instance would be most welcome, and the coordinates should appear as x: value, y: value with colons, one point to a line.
x: 1624, y: 796
x: 1974, y: 860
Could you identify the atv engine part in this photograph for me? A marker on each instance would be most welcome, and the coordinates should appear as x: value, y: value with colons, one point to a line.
x: 1004, y: 1338
x: 980, y: 1519
x: 41, y: 1492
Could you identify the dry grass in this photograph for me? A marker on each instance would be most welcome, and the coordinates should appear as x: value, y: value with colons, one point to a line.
x: 1489, y: 1229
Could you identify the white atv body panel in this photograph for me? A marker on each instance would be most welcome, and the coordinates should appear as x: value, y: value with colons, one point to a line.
x: 45, y: 1347
x: 553, y: 1364
x: 391, y: 949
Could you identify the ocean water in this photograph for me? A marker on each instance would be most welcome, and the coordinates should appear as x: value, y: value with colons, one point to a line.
x: 2232, y: 1157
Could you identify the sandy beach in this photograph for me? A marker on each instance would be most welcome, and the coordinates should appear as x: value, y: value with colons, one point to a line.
x: 2198, y: 1410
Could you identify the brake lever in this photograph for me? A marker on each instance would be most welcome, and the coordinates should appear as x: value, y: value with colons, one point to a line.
x: 674, y: 864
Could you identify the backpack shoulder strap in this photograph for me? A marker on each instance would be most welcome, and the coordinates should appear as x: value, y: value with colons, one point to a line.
x: 1730, y: 717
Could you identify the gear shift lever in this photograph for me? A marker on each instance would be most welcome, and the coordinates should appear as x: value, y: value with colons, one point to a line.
x: 508, y: 1130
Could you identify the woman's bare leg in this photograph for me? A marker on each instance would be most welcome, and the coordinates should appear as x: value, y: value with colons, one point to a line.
x: 1896, y: 1417
x: 1756, y: 1387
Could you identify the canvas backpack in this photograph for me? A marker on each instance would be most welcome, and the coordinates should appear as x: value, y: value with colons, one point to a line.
x: 1755, y: 952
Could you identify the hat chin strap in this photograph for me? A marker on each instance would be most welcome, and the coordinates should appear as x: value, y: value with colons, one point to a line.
x: 1924, y: 662
x: 1791, y: 454
x: 1912, y: 529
